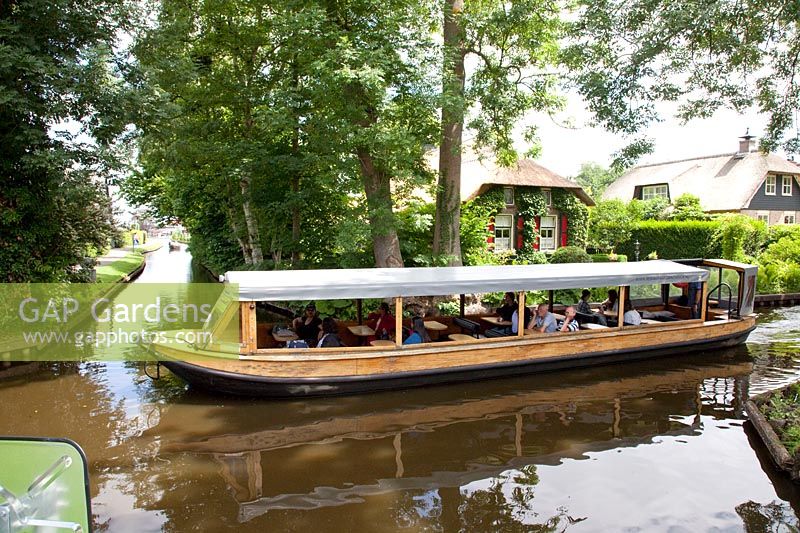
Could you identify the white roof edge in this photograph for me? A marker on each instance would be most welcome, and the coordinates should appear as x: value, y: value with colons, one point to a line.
x: 284, y: 285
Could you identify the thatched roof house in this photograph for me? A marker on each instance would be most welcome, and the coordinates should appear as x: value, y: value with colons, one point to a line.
x: 764, y: 186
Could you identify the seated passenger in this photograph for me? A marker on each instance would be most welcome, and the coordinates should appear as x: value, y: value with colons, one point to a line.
x: 569, y: 323
x: 584, y: 309
x: 328, y: 338
x: 382, y: 322
x: 612, y: 302
x: 307, y: 326
x: 503, y: 331
x: 419, y: 333
x: 508, y: 308
x: 631, y: 316
x: 545, y: 320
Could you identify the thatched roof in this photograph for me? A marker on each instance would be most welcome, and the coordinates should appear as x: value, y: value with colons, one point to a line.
x: 725, y: 182
x: 479, y: 173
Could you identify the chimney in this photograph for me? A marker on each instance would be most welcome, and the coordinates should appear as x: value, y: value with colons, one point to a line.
x: 747, y: 143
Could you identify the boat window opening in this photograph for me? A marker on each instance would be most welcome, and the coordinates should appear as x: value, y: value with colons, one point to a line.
x: 731, y: 278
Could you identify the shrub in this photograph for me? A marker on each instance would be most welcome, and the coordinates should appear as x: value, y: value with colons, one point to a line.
x: 785, y: 249
x: 673, y: 239
x: 570, y: 254
x: 687, y: 207
x: 610, y: 225
x: 608, y: 258
x: 776, y: 233
x: 739, y: 235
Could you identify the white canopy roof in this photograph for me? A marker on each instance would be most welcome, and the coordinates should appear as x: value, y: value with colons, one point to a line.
x: 283, y: 285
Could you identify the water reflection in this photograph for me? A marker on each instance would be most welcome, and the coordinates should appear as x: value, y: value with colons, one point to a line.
x: 450, y: 457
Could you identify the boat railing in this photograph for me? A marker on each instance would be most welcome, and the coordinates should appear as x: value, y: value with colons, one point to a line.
x: 719, y: 287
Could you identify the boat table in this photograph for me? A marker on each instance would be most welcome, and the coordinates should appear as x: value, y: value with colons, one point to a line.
x: 362, y: 332
x: 382, y: 342
x: 460, y: 337
x: 435, y: 328
x: 496, y: 320
x: 284, y: 337
x: 590, y: 325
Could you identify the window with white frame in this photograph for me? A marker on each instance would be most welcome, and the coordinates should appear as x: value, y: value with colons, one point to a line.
x: 786, y: 188
x: 655, y: 191
x: 788, y: 218
x: 769, y: 186
x: 508, y: 194
x: 763, y: 217
x: 502, y: 232
x: 547, y: 233
x: 548, y: 197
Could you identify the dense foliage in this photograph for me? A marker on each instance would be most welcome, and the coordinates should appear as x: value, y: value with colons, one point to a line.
x: 57, y: 69
x: 701, y: 55
x: 673, y: 240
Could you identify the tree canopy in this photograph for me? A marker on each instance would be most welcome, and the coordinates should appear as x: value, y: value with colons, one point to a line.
x: 57, y: 69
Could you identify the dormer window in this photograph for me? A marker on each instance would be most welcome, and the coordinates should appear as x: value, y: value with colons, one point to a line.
x: 786, y: 189
x: 769, y: 186
x: 508, y: 194
x: 655, y: 191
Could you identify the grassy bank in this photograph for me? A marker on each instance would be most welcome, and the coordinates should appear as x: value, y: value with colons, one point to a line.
x: 119, y: 269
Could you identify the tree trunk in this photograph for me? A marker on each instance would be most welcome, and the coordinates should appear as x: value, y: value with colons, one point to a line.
x: 237, y: 232
x: 250, y: 222
x: 246, y: 253
x: 447, y: 224
x: 385, y: 243
x: 295, y: 180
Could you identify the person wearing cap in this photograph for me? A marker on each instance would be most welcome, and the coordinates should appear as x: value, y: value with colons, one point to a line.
x: 307, y: 326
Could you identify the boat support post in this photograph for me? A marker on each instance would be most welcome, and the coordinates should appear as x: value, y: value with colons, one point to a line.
x: 398, y: 321
x: 622, y: 296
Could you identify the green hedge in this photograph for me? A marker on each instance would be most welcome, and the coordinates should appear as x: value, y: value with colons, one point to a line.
x: 609, y: 258
x: 673, y: 239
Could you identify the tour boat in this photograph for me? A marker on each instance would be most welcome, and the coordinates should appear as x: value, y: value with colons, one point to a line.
x: 260, y: 365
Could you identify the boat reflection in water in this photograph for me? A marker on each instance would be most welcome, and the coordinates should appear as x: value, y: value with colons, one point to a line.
x: 424, y: 448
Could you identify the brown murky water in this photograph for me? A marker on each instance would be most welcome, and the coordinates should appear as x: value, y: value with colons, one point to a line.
x: 652, y: 446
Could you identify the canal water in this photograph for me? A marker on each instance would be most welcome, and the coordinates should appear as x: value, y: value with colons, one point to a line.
x: 651, y: 446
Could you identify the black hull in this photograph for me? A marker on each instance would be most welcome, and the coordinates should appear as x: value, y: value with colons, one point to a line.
x: 218, y: 382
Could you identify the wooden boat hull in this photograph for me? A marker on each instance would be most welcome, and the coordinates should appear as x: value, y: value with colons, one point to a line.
x: 288, y: 373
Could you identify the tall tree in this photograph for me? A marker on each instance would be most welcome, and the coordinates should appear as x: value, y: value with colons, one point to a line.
x: 595, y: 179
x: 57, y: 68
x: 628, y: 55
x: 515, y: 46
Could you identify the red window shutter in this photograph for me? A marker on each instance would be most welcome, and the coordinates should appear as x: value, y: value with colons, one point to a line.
x: 520, y: 226
x: 563, y: 230
x: 538, y: 222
